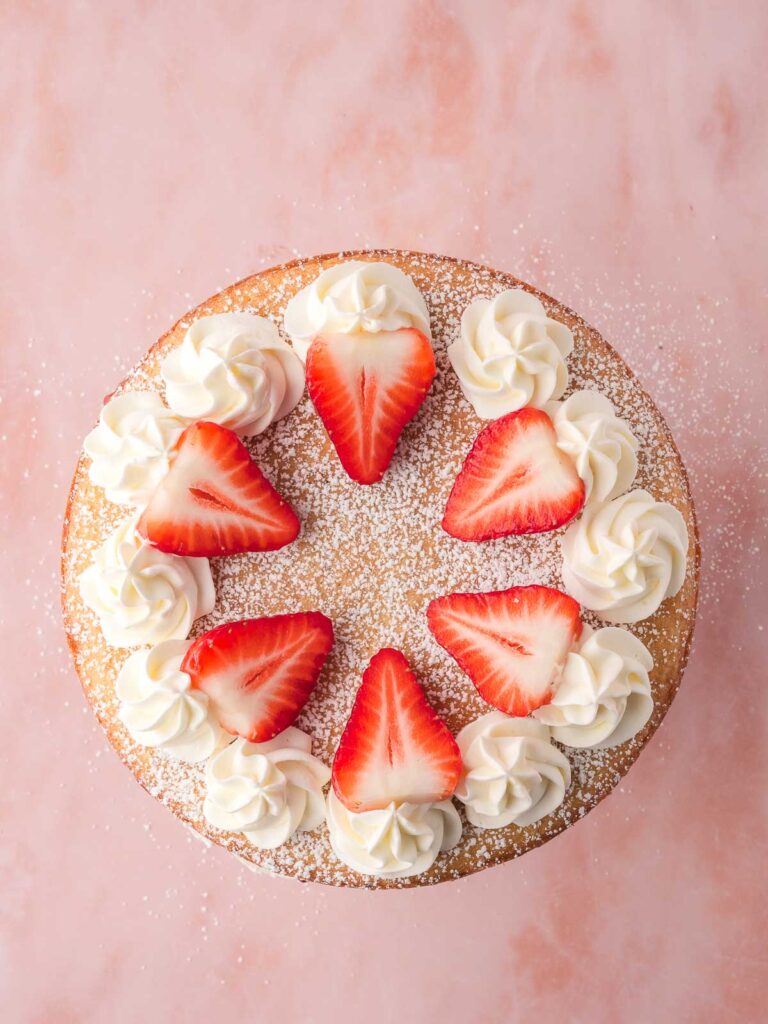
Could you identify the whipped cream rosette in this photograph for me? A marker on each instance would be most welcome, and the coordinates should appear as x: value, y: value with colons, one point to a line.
x: 233, y: 369
x: 132, y: 446
x: 355, y: 296
x: 621, y: 559
x: 512, y: 773
x: 604, y: 695
x: 160, y: 709
x: 142, y: 595
x: 268, y: 791
x: 510, y: 353
x: 395, y: 841
x: 600, y: 443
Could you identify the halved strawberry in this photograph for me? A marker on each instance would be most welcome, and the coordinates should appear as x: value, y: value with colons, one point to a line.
x: 366, y: 387
x: 394, y: 746
x: 259, y: 673
x: 514, y: 480
x: 215, y: 500
x: 511, y: 643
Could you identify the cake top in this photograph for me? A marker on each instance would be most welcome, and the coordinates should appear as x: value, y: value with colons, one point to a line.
x: 372, y: 558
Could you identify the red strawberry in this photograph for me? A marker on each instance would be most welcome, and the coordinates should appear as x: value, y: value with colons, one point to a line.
x: 215, y: 500
x: 259, y: 673
x: 366, y: 387
x: 515, y: 480
x: 394, y: 746
x: 511, y: 643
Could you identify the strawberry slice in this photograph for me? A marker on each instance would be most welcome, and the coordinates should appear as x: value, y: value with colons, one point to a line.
x: 511, y: 643
x: 215, y: 500
x: 514, y: 480
x: 259, y: 673
x: 394, y: 746
x: 366, y: 387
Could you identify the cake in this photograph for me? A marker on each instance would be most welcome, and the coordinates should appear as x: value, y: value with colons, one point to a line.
x: 381, y: 574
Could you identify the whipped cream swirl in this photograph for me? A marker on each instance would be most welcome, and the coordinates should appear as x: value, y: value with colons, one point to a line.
x: 394, y: 842
x: 159, y: 708
x: 233, y: 369
x: 131, y: 447
x: 604, y: 694
x: 512, y: 774
x: 267, y: 791
x: 623, y: 558
x: 355, y: 296
x: 142, y: 595
x: 601, y: 444
x: 510, y: 354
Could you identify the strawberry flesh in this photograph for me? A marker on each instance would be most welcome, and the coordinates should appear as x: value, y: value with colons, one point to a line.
x: 394, y: 746
x: 511, y: 643
x: 515, y: 480
x: 215, y: 500
x: 366, y: 387
x: 259, y: 673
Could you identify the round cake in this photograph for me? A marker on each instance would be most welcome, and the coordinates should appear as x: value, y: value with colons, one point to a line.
x: 374, y: 560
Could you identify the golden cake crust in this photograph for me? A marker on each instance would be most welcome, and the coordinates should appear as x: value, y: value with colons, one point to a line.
x: 372, y: 557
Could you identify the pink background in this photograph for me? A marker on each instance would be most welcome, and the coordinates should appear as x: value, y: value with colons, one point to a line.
x: 612, y: 153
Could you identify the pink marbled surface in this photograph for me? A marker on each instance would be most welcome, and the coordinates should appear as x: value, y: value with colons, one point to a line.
x: 612, y: 153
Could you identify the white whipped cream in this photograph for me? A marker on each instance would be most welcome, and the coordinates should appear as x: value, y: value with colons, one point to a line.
x: 510, y: 354
x: 131, y: 447
x: 355, y: 296
x: 267, y: 791
x: 601, y: 444
x: 395, y: 841
x: 604, y: 695
x: 233, y: 369
x: 142, y: 595
x: 160, y: 709
x: 512, y: 772
x: 623, y: 558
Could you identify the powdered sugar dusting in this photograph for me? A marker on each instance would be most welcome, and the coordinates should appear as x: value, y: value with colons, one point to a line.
x: 372, y: 557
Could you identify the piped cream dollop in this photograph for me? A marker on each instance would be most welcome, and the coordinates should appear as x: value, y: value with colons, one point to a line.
x: 131, y: 446
x: 355, y: 296
x: 604, y: 695
x: 603, y: 448
x: 512, y: 772
x: 510, y: 354
x: 160, y: 709
x: 233, y: 369
x: 394, y: 842
x: 623, y: 558
x: 267, y: 791
x: 142, y: 595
